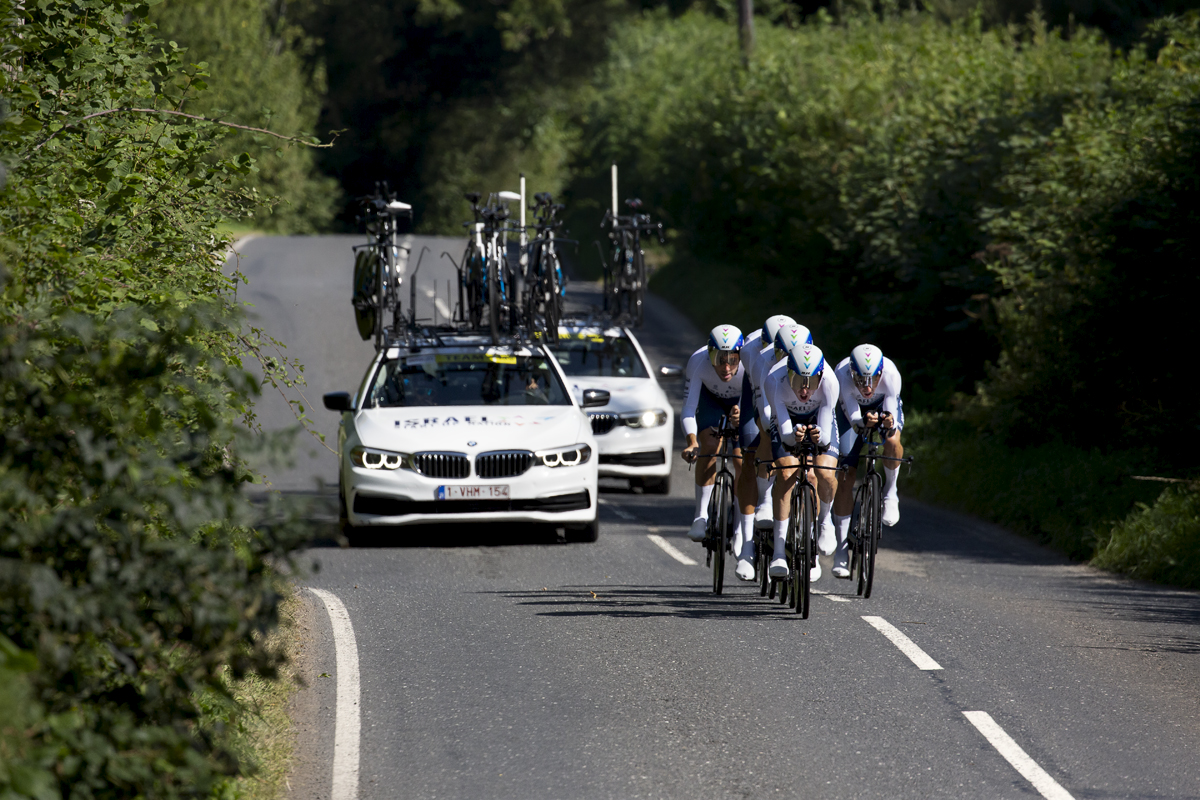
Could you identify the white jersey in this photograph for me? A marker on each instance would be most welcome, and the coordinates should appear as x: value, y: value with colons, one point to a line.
x: 700, y: 373
x: 886, y: 396
x: 783, y: 403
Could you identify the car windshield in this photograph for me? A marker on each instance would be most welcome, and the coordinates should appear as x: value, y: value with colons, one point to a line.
x: 466, y: 379
x: 587, y: 355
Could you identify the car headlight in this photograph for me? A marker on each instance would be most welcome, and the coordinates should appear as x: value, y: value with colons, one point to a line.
x: 650, y: 418
x: 571, y: 456
x: 370, y: 458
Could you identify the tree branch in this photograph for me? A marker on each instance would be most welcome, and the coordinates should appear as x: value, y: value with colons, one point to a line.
x: 75, y: 124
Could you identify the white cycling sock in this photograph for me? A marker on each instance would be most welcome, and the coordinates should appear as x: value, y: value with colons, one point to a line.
x: 764, y: 486
x: 842, y: 527
x: 703, y: 495
x: 747, y: 551
x: 780, y: 539
x: 889, y: 481
x: 743, y: 532
x: 823, y: 514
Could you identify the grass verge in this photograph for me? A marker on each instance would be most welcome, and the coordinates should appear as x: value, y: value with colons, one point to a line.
x: 256, y: 726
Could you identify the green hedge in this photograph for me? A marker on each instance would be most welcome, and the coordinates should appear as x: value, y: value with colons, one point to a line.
x: 132, y: 578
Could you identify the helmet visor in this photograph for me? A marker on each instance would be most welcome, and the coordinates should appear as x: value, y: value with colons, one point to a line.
x: 867, y: 382
x: 721, y: 358
x: 809, y: 383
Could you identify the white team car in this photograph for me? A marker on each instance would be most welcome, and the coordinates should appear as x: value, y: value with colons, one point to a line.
x: 636, y: 427
x: 456, y: 430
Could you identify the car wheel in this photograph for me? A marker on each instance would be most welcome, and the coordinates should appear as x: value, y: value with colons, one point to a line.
x: 588, y: 532
x: 345, y: 530
x: 656, y: 485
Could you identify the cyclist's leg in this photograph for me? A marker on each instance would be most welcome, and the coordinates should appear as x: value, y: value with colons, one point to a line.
x: 781, y: 495
x: 709, y: 411
x: 826, y: 484
x: 764, y: 480
x: 843, y: 504
x: 892, y: 448
x: 749, y: 438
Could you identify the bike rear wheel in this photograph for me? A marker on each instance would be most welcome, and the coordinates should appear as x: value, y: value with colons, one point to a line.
x: 762, y: 562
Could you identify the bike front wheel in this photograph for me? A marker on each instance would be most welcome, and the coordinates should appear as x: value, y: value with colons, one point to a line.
x: 719, y: 518
x: 802, y: 582
x: 870, y: 518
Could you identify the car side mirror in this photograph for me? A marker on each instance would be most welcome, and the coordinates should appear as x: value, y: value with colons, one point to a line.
x: 670, y: 371
x: 592, y: 398
x: 339, y: 401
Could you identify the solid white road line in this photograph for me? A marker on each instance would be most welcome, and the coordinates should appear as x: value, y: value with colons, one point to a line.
x: 906, y: 645
x: 671, y: 550
x: 837, y: 598
x: 1013, y: 754
x: 348, y: 724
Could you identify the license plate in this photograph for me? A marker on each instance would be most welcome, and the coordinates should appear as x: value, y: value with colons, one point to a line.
x: 472, y: 492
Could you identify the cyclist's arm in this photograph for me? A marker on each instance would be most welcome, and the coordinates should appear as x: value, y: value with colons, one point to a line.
x: 890, y: 385
x: 775, y: 398
x: 692, y: 386
x: 846, y: 397
x: 829, y: 387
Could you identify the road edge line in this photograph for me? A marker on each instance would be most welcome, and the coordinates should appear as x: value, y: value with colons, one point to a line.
x: 348, y: 721
x: 1046, y: 786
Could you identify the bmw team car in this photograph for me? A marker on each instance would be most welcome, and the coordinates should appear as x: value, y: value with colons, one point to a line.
x: 456, y: 430
x: 636, y: 428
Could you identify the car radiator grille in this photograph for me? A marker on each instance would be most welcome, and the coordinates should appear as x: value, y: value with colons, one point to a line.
x: 649, y: 458
x: 442, y: 465
x: 503, y: 464
x: 603, y: 423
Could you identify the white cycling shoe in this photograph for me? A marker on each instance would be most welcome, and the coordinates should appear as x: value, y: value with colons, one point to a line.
x: 841, y: 561
x: 745, y: 570
x: 891, y: 511
x: 814, y: 574
x: 764, y: 517
x: 827, y: 538
x: 698, y: 530
x: 778, y: 568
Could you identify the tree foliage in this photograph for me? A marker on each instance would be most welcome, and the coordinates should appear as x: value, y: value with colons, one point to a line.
x: 956, y: 194
x: 260, y: 73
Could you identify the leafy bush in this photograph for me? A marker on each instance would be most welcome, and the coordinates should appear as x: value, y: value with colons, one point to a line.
x: 1061, y: 495
x: 1159, y: 542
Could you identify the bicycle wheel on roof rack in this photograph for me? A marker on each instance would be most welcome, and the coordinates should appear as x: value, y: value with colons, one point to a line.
x: 639, y: 292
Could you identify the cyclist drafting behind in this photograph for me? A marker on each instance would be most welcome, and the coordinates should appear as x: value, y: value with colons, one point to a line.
x: 870, y: 396
x: 802, y: 392
x: 715, y: 386
x: 760, y: 354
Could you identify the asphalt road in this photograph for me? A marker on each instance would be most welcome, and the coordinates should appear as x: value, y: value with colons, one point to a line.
x: 500, y: 663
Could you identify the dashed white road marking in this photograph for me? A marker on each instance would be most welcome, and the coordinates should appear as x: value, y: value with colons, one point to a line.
x: 620, y: 512
x: 906, y: 645
x: 1047, y: 787
x: 837, y: 598
x: 348, y: 723
x: 672, y: 550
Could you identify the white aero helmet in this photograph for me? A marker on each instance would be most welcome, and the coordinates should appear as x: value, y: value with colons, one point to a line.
x: 788, y: 337
x: 772, y: 326
x: 806, y: 367
x: 866, y: 366
x: 725, y: 345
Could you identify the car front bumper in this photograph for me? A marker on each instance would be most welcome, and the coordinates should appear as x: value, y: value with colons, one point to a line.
x: 562, y: 495
x: 636, y: 452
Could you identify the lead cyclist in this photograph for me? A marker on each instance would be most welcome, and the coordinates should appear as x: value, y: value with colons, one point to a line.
x: 870, y: 397
x: 716, y: 385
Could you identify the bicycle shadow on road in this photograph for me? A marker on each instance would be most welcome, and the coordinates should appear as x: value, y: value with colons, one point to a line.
x: 642, y: 602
